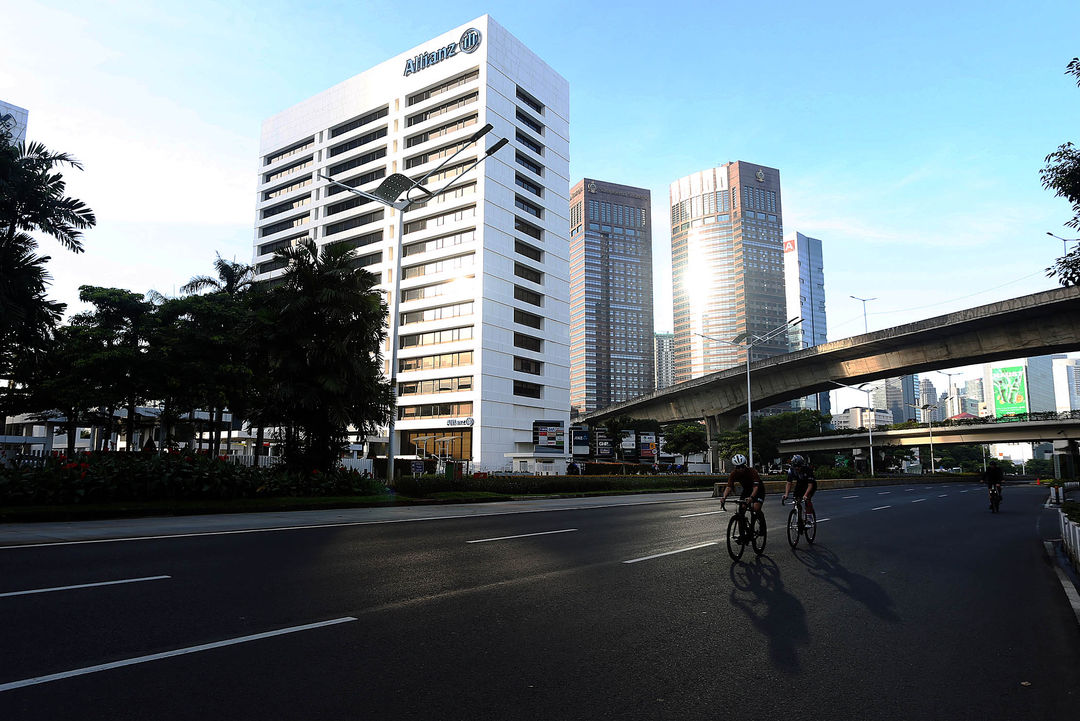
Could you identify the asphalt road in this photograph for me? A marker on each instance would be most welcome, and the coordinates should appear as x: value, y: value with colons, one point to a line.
x: 915, y: 603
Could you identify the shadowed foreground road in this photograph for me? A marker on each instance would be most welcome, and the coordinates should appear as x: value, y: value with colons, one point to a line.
x: 916, y: 603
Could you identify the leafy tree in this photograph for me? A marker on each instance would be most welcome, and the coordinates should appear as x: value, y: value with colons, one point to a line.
x: 323, y: 330
x: 27, y: 316
x: 1062, y: 175
x: 615, y: 427
x: 770, y: 430
x: 685, y: 439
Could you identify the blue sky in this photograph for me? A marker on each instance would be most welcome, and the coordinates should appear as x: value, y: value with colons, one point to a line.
x: 909, y: 137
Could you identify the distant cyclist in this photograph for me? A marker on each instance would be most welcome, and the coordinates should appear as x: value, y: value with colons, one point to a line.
x: 993, y: 478
x: 801, y: 476
x: 749, y: 481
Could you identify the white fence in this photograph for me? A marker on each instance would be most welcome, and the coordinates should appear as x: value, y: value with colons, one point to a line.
x: 1070, y: 534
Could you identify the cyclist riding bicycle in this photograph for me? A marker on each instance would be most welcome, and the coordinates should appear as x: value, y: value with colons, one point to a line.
x: 993, y: 478
x: 748, y: 479
x: 801, y: 475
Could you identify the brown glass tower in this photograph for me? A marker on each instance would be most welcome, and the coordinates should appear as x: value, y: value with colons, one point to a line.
x: 727, y: 266
x: 611, y: 298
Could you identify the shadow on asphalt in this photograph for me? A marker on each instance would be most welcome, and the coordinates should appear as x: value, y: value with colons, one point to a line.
x: 824, y: 564
x: 758, y: 591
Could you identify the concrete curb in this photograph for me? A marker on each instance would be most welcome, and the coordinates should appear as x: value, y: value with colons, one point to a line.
x: 1066, y: 583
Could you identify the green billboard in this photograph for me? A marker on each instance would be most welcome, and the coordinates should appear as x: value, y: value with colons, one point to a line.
x: 1010, y: 390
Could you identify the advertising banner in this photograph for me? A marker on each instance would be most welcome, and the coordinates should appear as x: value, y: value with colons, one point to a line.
x: 1010, y: 391
x: 549, y: 437
x: 647, y: 447
x: 604, y: 447
x: 579, y: 443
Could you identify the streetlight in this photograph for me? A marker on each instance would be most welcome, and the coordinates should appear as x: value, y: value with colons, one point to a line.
x: 394, y: 192
x: 930, y: 425
x: 866, y: 328
x: 869, y: 406
x: 747, y: 346
x: 1064, y: 242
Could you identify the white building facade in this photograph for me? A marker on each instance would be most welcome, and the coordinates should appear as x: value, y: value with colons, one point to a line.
x: 15, y: 118
x: 859, y: 417
x: 483, y: 321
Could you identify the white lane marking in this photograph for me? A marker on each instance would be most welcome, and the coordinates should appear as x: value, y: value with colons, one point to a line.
x: 83, y: 585
x: 944, y: 495
x: 1066, y: 582
x: 167, y: 654
x: 822, y: 520
x: 523, y: 535
x: 346, y: 524
x: 965, y: 491
x: 880, y: 508
x: 884, y: 493
x: 846, y: 497
x: 706, y: 513
x: 909, y: 489
x: 669, y: 553
x: 918, y: 500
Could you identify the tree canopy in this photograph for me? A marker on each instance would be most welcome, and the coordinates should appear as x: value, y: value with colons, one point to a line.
x: 1061, y: 174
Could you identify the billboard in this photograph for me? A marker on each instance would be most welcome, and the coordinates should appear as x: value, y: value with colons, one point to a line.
x: 604, y: 448
x: 549, y: 437
x: 579, y: 441
x: 1010, y: 390
x: 647, y: 447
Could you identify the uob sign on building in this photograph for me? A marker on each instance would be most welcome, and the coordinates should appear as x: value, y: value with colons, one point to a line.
x: 469, y: 42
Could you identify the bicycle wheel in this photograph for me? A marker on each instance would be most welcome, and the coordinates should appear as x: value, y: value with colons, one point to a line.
x: 811, y: 527
x: 734, y: 547
x: 793, y: 527
x: 995, y: 500
x: 758, y: 532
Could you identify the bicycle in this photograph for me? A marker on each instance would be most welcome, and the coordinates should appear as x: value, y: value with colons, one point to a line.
x: 800, y: 522
x: 742, y: 532
x: 995, y: 498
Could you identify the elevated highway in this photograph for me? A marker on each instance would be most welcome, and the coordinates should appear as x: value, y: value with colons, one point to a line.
x: 1031, y: 325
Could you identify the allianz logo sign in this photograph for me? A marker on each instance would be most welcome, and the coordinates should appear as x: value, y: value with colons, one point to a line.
x: 460, y: 422
x: 469, y: 42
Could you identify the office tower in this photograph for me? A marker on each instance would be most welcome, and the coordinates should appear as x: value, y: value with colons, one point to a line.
x: 611, y: 300
x: 897, y: 395
x: 1066, y: 373
x: 928, y: 396
x: 14, y: 119
x: 727, y: 266
x: 1023, y: 385
x: 483, y: 323
x: 804, y: 282
x: 665, y: 360
x: 859, y: 417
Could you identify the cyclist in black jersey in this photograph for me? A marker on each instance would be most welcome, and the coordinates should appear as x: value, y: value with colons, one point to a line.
x: 993, y: 478
x: 749, y: 482
x: 801, y: 475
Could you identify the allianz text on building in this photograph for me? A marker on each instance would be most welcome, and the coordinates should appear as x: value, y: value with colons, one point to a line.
x: 483, y: 331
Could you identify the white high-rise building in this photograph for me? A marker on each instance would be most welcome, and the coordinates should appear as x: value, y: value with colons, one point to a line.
x: 15, y: 119
x: 664, y: 348
x: 1066, y: 373
x: 804, y: 284
x: 483, y: 332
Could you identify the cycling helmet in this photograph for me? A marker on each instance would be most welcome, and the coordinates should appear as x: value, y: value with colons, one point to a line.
x: 738, y: 459
x: 797, y: 460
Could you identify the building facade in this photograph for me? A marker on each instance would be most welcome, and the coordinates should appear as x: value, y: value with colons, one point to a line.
x: 859, y: 417
x: 727, y: 267
x: 898, y: 395
x: 1066, y: 384
x: 611, y: 296
x: 664, y: 359
x: 15, y: 119
x: 804, y: 283
x: 483, y: 323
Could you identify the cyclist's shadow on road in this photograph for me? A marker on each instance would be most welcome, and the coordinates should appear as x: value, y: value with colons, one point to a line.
x: 824, y: 564
x: 758, y: 591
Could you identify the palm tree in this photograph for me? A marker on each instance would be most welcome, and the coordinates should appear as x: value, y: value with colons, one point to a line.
x: 232, y: 279
x: 322, y: 330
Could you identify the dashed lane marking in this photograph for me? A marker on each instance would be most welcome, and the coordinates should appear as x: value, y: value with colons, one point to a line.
x: 522, y: 535
x: 918, y: 500
x: 845, y: 497
x: 83, y: 585
x: 706, y: 513
x: 880, y: 508
x: 669, y: 553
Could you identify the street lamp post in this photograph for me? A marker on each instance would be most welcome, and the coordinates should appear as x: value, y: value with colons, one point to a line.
x: 869, y: 407
x: 866, y: 328
x: 746, y: 347
x: 1064, y: 242
x: 394, y: 192
x: 930, y: 426
x: 950, y: 394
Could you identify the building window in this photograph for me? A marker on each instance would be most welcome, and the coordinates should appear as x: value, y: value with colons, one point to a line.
x: 434, y: 362
x: 530, y: 101
x: 443, y: 152
x: 271, y: 177
x: 528, y: 342
x: 530, y: 208
x: 529, y: 143
x: 357, y: 162
x: 283, y: 225
x: 523, y: 182
x: 438, y: 110
x: 441, y: 88
x: 529, y: 122
x: 435, y: 410
x: 433, y: 221
x: 280, y: 244
x: 526, y: 318
x: 443, y: 312
x: 437, y: 385
x: 528, y: 164
x: 529, y: 390
x: 286, y: 207
x: 523, y: 248
x: 359, y: 241
x: 359, y: 122
x: 284, y: 189
x: 289, y: 152
x: 523, y: 226
x: 352, y: 202
x: 528, y: 296
x: 357, y: 142
x: 443, y: 241
x: 440, y: 131
x: 528, y: 365
x: 355, y: 222
x: 438, y: 266
x: 530, y: 274
x: 450, y: 335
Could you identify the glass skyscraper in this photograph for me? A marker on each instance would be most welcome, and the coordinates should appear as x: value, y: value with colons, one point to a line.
x: 804, y: 278
x: 611, y: 298
x: 727, y: 266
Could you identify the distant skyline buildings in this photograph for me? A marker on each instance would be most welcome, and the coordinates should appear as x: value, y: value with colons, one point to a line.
x: 664, y: 344
x: 804, y: 284
x: 611, y: 294
x: 727, y: 266
x: 897, y: 395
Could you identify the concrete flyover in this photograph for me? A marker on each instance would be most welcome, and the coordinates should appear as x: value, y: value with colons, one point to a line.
x: 1037, y: 324
x: 1041, y: 431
